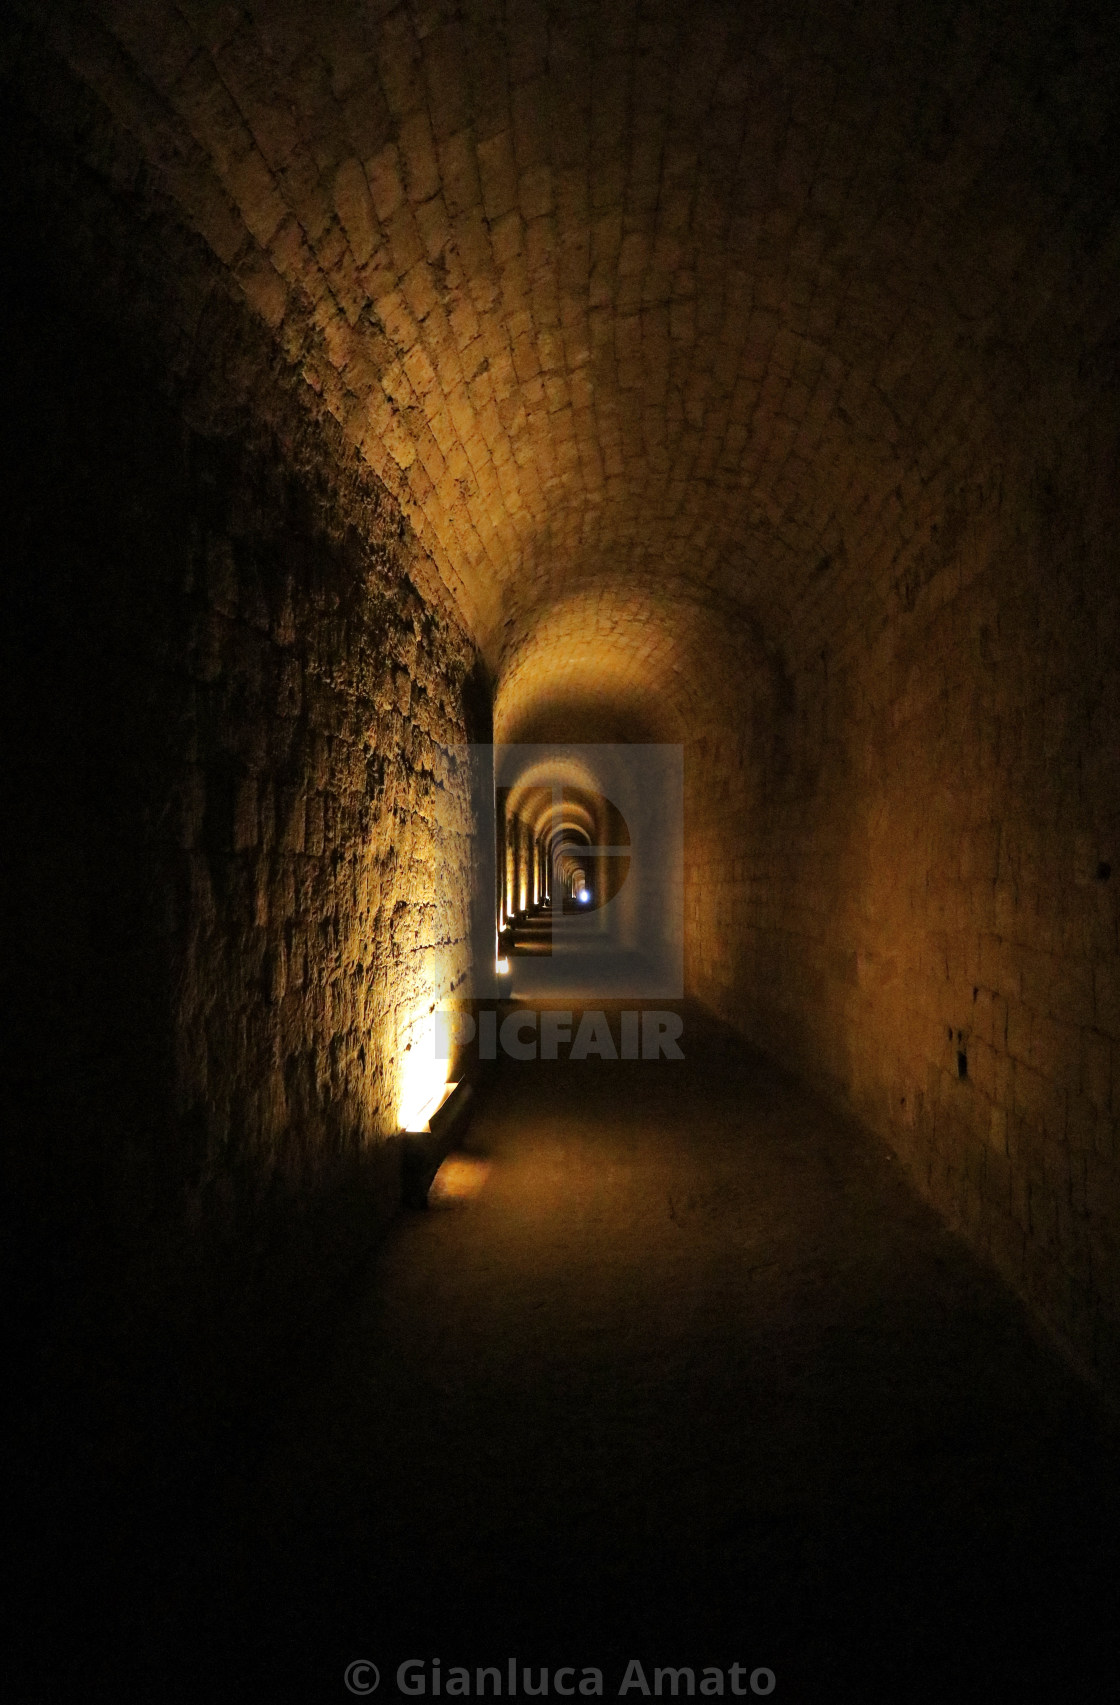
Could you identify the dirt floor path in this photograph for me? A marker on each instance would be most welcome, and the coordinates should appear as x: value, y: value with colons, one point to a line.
x: 692, y: 1379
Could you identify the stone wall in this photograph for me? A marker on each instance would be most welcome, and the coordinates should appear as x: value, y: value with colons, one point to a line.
x: 909, y: 886
x: 242, y: 870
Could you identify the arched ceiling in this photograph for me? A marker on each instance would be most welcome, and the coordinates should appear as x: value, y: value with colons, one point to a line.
x: 641, y: 307
x: 652, y: 664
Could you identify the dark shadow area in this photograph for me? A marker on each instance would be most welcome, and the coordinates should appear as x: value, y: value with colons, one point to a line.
x: 694, y: 1379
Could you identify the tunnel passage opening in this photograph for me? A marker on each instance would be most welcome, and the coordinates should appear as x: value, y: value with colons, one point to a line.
x: 589, y: 854
x: 562, y: 851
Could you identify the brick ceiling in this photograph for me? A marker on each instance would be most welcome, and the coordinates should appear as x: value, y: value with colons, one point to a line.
x: 673, y: 326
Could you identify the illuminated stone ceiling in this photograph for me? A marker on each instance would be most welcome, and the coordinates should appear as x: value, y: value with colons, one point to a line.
x: 658, y: 318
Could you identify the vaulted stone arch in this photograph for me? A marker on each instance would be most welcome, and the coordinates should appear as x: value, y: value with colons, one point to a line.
x: 736, y: 376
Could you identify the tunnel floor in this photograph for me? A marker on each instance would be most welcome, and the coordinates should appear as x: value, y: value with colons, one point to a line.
x: 694, y: 1379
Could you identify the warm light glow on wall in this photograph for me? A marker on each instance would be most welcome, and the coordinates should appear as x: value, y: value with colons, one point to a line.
x: 422, y: 1074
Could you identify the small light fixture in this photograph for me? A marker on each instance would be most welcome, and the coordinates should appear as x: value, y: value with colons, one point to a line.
x: 501, y: 966
x: 419, y: 1120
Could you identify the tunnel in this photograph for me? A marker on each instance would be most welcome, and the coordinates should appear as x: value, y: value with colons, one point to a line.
x: 562, y: 632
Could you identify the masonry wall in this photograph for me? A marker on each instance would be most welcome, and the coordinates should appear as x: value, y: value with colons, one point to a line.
x: 908, y: 888
x: 242, y: 860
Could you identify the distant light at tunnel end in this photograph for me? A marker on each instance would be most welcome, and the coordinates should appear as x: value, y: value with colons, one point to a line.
x: 583, y: 895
